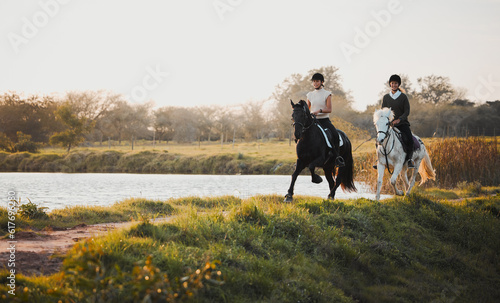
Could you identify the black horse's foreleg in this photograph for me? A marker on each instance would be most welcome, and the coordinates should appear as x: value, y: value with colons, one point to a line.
x: 298, y: 168
x: 315, y: 177
x: 331, y: 182
x: 318, y: 162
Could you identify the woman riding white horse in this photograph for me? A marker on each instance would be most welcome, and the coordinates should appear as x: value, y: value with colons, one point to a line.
x: 390, y: 152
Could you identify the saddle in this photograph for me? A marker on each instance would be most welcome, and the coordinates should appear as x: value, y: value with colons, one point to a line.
x: 416, y: 142
x: 328, y: 136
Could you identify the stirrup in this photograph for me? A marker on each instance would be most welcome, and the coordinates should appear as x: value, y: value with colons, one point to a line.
x: 410, y: 164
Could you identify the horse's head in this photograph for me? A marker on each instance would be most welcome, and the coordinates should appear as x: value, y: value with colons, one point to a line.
x: 301, y: 117
x: 382, y: 119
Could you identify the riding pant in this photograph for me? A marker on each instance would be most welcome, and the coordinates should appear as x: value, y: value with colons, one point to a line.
x: 407, y: 138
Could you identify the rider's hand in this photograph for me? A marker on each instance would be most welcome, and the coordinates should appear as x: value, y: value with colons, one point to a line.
x: 395, y: 122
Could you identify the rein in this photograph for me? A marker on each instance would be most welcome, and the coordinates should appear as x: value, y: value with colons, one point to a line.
x: 387, y: 136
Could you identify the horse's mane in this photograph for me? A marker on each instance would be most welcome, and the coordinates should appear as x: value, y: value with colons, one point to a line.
x: 304, y: 104
x: 384, y: 112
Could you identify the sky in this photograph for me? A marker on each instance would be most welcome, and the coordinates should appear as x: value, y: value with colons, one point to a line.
x: 230, y: 52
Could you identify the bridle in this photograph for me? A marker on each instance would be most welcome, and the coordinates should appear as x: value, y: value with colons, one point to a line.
x: 387, y: 134
x: 304, y: 127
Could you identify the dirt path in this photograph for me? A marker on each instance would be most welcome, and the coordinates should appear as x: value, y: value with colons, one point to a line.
x: 41, y: 252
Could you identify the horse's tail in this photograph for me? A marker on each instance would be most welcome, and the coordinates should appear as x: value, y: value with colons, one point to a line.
x: 425, y: 170
x: 346, y: 173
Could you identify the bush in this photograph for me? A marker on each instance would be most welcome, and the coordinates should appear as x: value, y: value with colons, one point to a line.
x: 32, y: 211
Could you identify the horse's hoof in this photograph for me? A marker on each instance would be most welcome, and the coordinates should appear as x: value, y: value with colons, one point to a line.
x: 288, y: 198
x: 330, y: 198
x: 317, y: 179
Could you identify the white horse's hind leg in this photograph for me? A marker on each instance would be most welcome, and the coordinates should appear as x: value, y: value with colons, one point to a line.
x: 414, y: 175
x: 394, y: 178
x: 380, y: 170
x: 404, y: 173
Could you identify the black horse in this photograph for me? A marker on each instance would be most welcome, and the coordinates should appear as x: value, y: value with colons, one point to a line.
x: 312, y: 152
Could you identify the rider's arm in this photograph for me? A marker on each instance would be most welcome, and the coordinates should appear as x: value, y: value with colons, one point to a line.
x: 328, y: 108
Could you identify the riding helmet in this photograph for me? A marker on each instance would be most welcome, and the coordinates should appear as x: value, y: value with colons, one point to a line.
x: 395, y: 78
x: 318, y: 76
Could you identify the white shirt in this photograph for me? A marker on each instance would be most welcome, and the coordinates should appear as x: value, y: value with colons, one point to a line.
x: 396, y: 95
x: 318, y: 101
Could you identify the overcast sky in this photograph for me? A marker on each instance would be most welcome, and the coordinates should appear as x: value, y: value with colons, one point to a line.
x: 201, y: 52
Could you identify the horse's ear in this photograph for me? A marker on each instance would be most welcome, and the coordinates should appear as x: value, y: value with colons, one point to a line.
x: 292, y: 102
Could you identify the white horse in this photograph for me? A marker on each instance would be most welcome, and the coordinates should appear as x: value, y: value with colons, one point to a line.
x: 390, y: 153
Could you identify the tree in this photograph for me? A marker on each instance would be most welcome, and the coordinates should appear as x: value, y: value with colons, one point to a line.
x: 116, y: 119
x: 24, y: 144
x: 184, y: 125
x: 205, y: 122
x: 76, y: 128
x: 33, y: 116
x: 253, y: 121
x: 163, y: 125
x: 5, y: 143
x: 436, y: 90
x: 93, y: 105
x: 137, y: 121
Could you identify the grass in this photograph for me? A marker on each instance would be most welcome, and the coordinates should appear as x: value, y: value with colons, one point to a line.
x: 127, y: 210
x: 422, y: 248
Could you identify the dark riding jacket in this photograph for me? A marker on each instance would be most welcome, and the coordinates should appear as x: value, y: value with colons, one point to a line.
x: 400, y: 106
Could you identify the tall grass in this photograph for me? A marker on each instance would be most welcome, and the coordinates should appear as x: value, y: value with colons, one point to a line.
x: 465, y: 159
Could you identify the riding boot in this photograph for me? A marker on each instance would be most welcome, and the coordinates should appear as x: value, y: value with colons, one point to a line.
x: 410, y: 161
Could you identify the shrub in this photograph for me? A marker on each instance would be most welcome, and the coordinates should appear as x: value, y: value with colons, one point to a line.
x: 32, y: 211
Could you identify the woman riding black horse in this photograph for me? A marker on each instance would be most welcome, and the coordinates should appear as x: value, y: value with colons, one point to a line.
x: 312, y: 152
x: 320, y: 105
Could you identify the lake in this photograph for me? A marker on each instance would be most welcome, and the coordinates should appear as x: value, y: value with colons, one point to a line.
x: 58, y: 190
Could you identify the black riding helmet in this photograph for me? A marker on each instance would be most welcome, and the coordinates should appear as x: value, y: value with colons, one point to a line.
x: 318, y: 76
x: 395, y: 78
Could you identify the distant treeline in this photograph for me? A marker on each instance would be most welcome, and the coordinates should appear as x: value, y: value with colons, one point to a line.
x: 27, y: 122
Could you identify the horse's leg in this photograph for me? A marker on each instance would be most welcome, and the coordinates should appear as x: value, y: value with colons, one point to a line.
x: 394, y: 178
x: 298, y: 168
x: 380, y: 170
x: 414, y: 175
x: 333, y: 184
x: 318, y: 162
x: 404, y: 173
